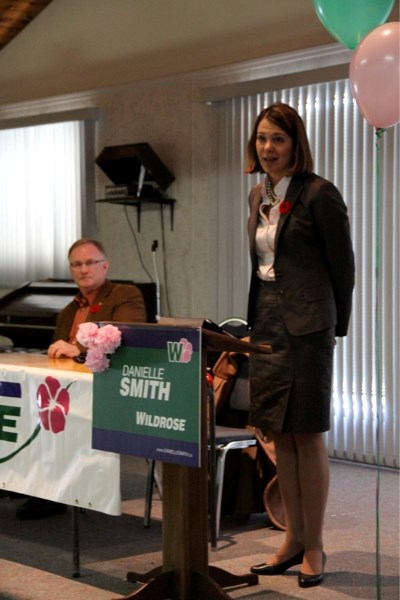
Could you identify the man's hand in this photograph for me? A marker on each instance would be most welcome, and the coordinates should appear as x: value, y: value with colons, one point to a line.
x: 61, y: 348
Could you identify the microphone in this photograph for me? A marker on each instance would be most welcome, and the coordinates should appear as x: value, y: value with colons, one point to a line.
x: 154, y: 247
x: 141, y: 181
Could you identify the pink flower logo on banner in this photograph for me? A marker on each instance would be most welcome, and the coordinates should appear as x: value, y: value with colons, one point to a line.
x: 53, y: 403
x: 187, y: 350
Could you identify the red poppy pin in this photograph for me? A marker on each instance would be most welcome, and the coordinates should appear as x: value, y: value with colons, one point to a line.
x: 285, y: 207
x: 95, y: 308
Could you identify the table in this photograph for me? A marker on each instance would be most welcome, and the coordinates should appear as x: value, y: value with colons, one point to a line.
x: 51, y: 456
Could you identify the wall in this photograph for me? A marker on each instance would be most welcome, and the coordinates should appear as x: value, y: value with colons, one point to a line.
x: 170, y: 115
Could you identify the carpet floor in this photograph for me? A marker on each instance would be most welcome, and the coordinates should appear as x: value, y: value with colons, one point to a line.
x: 361, y: 541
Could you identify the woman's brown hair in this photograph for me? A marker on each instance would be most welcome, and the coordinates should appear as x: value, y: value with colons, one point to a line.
x: 288, y: 119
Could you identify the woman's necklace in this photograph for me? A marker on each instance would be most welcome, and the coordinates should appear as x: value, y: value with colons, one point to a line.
x: 269, y: 195
x: 272, y: 197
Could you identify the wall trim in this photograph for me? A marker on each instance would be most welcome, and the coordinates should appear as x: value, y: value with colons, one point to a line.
x: 292, y: 69
x: 318, y: 57
x: 83, y: 114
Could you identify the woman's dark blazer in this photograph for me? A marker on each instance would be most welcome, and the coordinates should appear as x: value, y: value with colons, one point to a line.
x: 314, y: 259
x: 116, y: 302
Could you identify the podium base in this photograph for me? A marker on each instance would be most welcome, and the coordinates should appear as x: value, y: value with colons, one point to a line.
x: 161, y: 586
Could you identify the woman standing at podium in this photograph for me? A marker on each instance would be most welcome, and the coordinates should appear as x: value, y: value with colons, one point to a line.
x: 299, y: 300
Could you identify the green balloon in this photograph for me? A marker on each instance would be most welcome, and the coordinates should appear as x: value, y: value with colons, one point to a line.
x: 349, y: 21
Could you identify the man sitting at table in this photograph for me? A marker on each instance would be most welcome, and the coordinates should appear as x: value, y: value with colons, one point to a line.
x: 98, y: 299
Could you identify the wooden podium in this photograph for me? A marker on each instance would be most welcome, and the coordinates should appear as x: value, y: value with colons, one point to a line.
x: 185, y: 574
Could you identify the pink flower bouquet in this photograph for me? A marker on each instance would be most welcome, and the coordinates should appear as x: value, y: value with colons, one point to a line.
x: 87, y: 334
x: 96, y: 360
x: 99, y: 341
x: 108, y: 338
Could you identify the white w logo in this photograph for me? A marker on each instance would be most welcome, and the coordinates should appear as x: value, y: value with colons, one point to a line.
x: 175, y: 350
x: 180, y: 351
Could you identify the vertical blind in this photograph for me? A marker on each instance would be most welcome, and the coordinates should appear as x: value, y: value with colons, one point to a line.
x: 40, y: 199
x: 365, y: 406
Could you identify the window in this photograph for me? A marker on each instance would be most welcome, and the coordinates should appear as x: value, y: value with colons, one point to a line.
x: 45, y: 183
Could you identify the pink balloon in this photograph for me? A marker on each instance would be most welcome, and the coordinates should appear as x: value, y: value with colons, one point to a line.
x: 375, y: 76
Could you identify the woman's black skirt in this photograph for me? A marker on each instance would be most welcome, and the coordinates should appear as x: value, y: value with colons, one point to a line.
x: 290, y: 389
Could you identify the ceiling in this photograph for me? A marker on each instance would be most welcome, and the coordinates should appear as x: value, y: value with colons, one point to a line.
x: 17, y: 14
x: 55, y: 47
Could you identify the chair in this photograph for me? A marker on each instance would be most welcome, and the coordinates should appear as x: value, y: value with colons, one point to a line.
x: 221, y: 441
x: 226, y: 439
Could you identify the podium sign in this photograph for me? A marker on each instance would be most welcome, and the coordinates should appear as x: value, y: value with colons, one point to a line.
x: 148, y: 402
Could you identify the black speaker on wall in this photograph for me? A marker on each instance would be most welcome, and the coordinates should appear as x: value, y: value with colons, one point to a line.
x: 134, y: 165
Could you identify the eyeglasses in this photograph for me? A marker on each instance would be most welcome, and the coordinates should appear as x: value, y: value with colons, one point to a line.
x: 77, y: 264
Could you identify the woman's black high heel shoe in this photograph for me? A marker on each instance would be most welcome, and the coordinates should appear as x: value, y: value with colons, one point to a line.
x: 306, y: 581
x: 279, y: 568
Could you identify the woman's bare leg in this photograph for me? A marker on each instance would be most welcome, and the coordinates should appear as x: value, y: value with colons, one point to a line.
x: 288, y: 477
x: 314, y: 486
x: 303, y: 474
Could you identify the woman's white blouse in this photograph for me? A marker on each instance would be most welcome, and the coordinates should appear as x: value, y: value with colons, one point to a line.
x: 266, y: 231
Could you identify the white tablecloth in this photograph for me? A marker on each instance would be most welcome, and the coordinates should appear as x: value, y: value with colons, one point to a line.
x: 46, y: 431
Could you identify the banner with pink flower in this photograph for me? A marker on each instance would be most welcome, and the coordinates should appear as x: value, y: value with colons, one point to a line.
x: 46, y: 439
x: 147, y: 401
